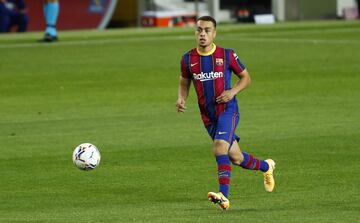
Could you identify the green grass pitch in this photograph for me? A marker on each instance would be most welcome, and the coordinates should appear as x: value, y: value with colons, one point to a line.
x: 117, y: 89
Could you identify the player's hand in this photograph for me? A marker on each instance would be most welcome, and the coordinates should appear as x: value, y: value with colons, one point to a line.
x: 225, y: 97
x: 180, y: 105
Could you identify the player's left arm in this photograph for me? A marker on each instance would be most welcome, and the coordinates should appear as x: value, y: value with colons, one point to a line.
x: 239, y: 86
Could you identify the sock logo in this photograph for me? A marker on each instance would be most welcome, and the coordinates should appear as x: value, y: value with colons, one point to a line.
x: 223, y: 173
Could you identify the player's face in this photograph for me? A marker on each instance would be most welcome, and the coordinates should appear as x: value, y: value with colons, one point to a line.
x: 205, y: 33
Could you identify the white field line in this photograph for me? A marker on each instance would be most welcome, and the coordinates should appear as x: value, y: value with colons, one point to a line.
x: 232, y: 37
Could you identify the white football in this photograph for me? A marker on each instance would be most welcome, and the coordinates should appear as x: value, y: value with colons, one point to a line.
x: 86, y: 156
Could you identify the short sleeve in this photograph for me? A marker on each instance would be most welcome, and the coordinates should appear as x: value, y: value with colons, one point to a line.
x: 185, y: 73
x: 235, y: 64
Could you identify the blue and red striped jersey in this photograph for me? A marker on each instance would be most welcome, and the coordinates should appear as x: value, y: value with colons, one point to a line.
x: 211, y: 75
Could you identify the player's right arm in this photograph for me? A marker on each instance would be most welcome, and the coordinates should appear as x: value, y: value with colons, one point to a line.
x: 184, y: 86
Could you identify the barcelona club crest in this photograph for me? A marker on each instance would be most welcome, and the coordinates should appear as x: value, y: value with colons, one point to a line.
x: 219, y: 61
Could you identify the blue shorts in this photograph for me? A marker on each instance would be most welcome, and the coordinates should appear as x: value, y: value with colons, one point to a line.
x: 225, y: 127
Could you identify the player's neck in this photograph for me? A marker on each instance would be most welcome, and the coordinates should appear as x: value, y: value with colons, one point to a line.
x: 207, y: 50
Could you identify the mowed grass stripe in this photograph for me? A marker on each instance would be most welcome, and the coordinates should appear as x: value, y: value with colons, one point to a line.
x: 182, y: 38
x: 154, y: 34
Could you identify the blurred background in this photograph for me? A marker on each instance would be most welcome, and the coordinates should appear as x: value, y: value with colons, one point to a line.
x: 101, y: 14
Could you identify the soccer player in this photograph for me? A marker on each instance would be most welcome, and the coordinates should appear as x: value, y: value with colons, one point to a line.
x: 210, y: 68
x: 51, y: 13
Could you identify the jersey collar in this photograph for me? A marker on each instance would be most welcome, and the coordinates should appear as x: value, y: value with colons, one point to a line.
x: 207, y: 53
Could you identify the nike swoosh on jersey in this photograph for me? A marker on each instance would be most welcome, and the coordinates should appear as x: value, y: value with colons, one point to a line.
x: 222, y: 133
x: 193, y: 64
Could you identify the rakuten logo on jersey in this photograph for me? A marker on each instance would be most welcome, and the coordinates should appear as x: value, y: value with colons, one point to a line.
x: 208, y: 76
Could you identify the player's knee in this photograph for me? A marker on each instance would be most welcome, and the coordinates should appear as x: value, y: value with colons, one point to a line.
x: 236, y: 160
x: 220, y: 147
x: 235, y: 154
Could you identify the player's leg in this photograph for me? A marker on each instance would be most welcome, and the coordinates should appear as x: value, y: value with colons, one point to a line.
x: 248, y: 161
x: 220, y: 149
x: 51, y: 12
x: 222, y: 133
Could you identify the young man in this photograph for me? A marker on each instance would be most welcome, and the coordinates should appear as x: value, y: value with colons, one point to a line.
x: 210, y: 68
x: 51, y: 13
